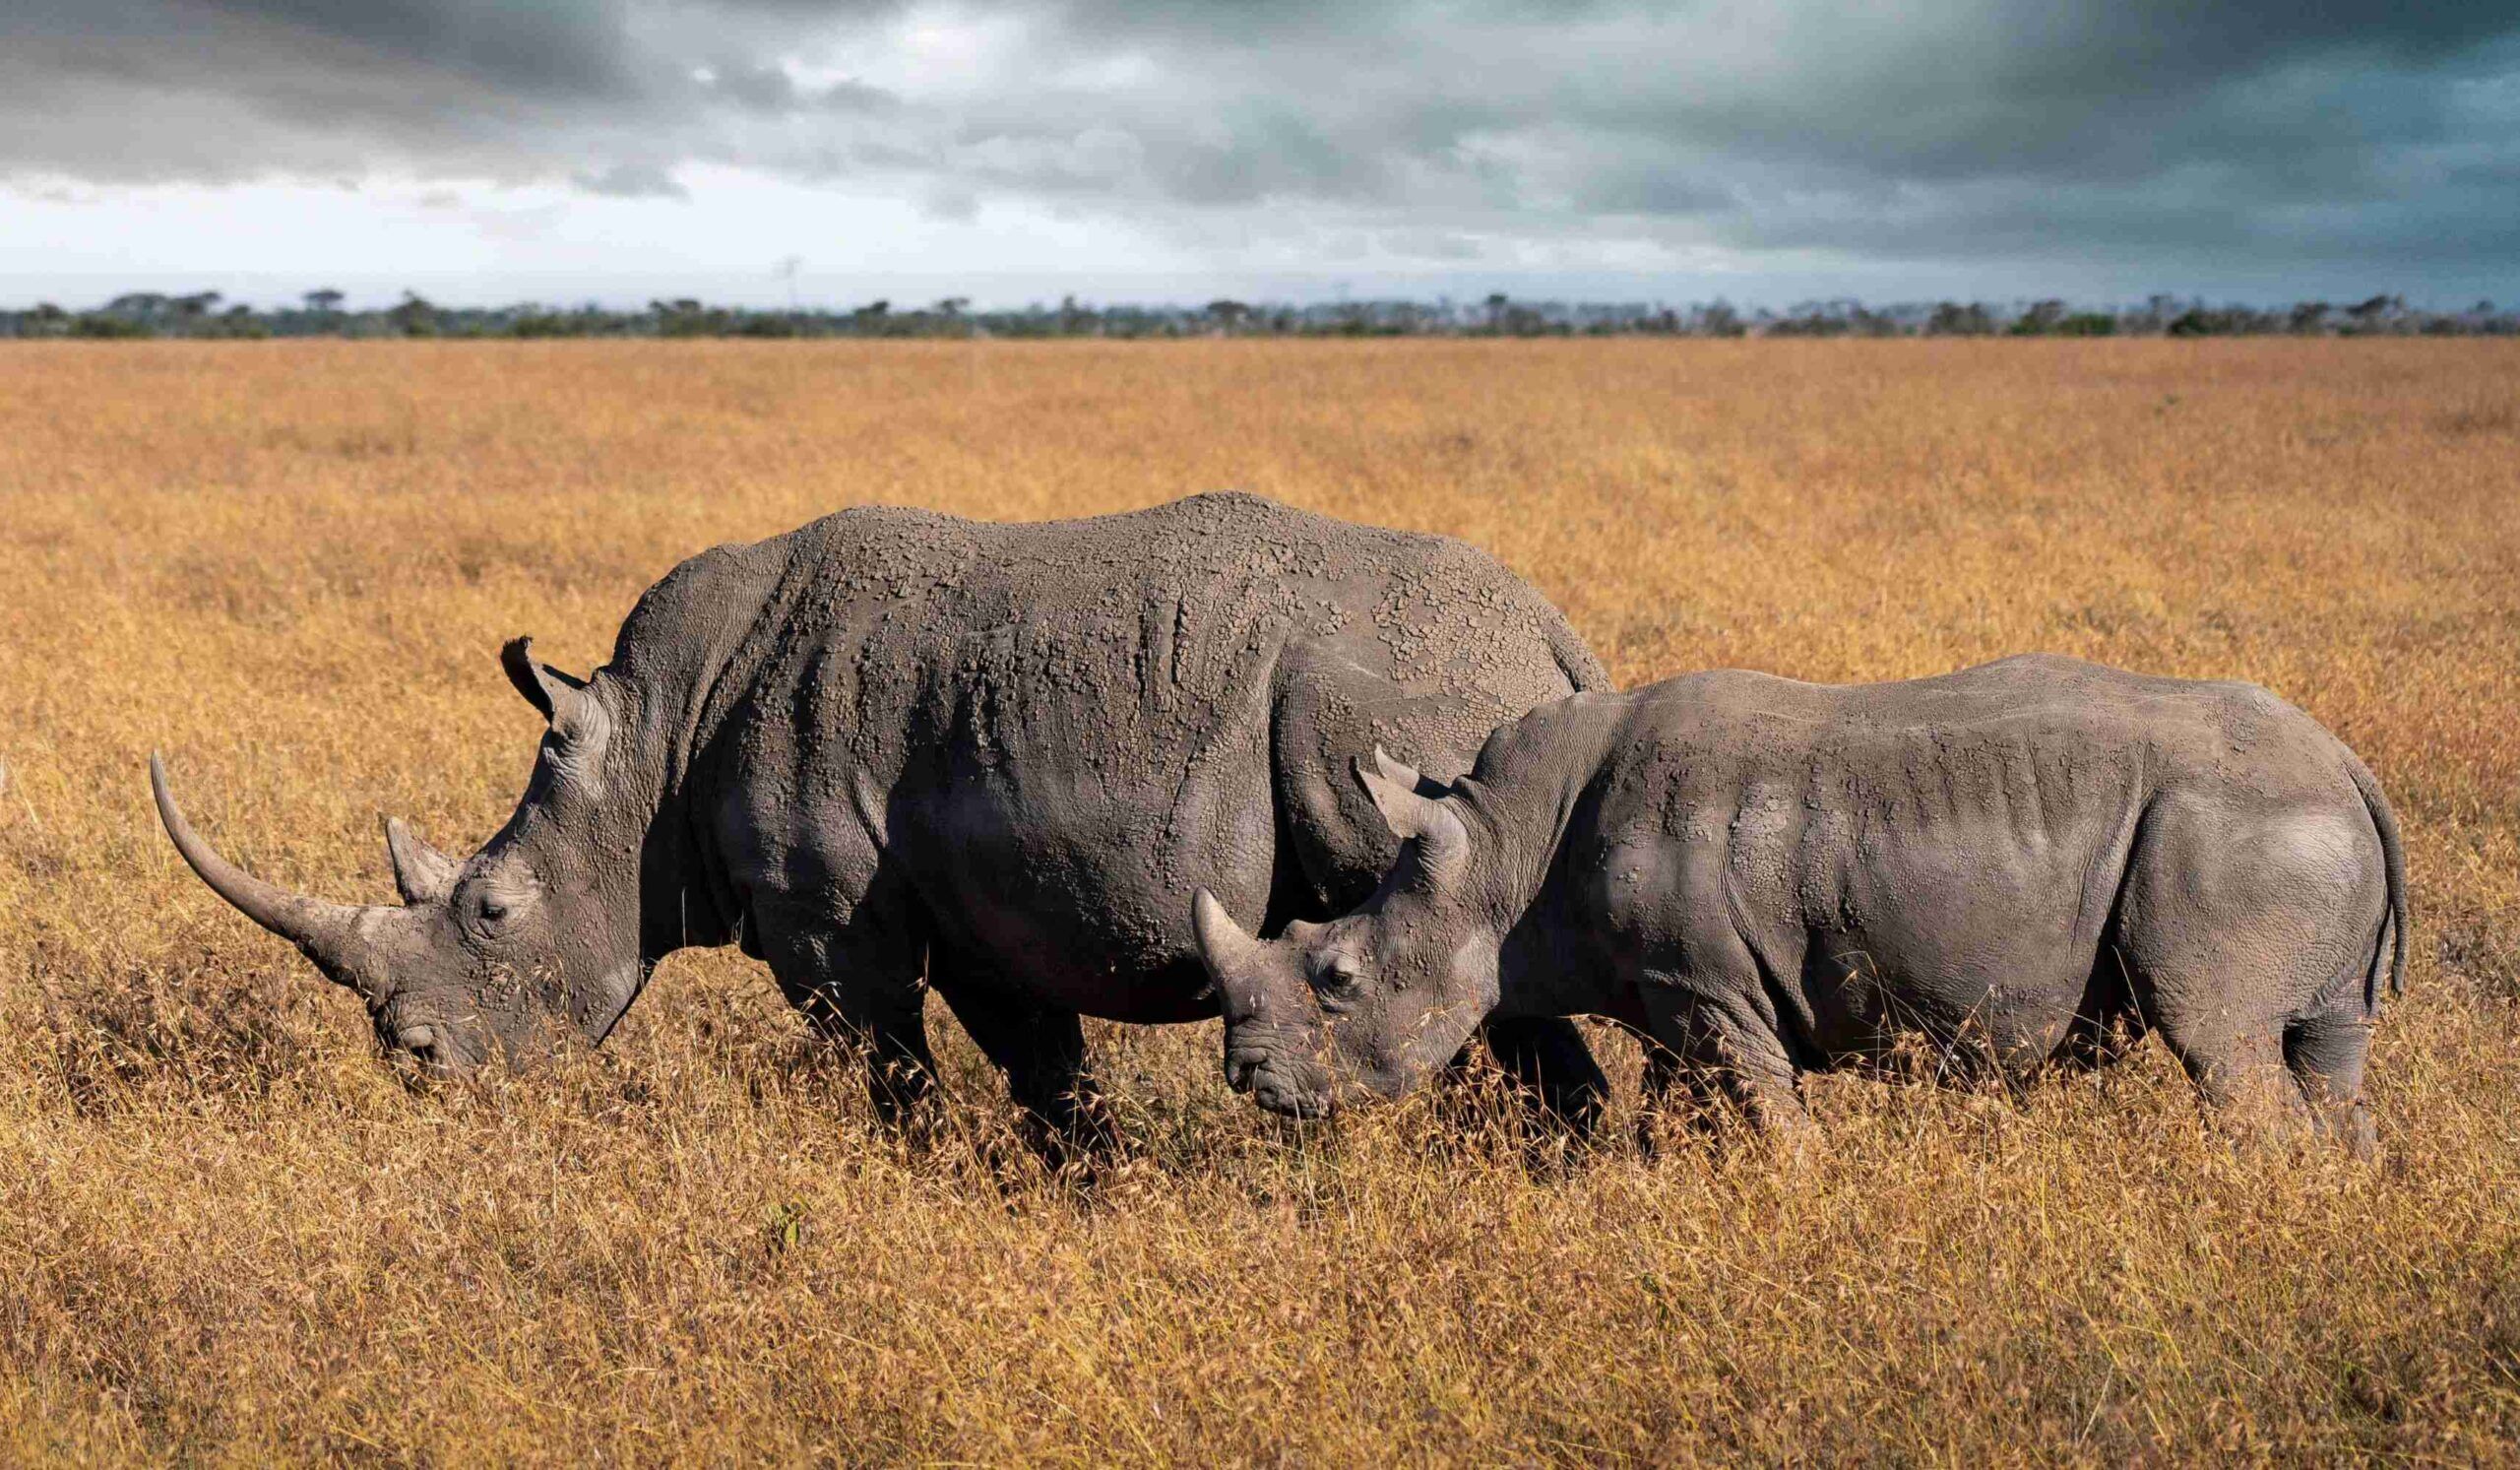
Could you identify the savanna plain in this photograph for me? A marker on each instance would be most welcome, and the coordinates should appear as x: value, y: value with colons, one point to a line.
x: 229, y: 1233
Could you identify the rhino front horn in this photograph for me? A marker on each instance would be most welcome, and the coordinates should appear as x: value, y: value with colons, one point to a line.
x: 336, y: 936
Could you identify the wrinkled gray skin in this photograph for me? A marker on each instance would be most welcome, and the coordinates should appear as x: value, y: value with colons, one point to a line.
x: 895, y: 745
x: 2026, y: 862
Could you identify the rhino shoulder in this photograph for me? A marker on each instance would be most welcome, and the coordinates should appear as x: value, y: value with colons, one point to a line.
x: 710, y: 602
x: 1235, y: 505
x: 722, y: 585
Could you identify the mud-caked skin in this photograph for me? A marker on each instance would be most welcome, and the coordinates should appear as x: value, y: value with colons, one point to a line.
x: 896, y: 747
x: 2022, y: 862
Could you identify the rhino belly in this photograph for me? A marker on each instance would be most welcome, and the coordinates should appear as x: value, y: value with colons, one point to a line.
x: 1992, y: 944
x: 1074, y: 888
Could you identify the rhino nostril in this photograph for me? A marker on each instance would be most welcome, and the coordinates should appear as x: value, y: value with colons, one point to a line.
x: 419, y: 1041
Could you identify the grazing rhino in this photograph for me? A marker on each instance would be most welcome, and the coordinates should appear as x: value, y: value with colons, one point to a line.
x: 895, y: 745
x: 2040, y: 855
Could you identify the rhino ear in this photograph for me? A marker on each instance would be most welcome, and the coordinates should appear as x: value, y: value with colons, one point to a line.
x: 561, y: 698
x: 1402, y: 773
x: 423, y: 873
x: 1400, y: 795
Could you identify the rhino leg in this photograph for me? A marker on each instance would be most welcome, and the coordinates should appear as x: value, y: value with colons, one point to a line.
x: 1670, y: 1088
x: 1551, y: 1069
x: 2248, y: 938
x: 2276, y: 1081
x: 901, y: 1075
x: 1041, y: 1052
x: 2241, y: 1082
x: 1718, y: 1034
x: 2325, y: 1052
x: 860, y: 987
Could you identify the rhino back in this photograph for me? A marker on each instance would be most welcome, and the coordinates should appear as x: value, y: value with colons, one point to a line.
x: 1896, y: 850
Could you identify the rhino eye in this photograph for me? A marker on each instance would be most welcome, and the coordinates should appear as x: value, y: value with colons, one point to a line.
x: 1338, y: 973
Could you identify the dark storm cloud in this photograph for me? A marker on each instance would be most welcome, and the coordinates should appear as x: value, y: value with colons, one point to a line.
x: 2004, y: 128
x: 568, y: 49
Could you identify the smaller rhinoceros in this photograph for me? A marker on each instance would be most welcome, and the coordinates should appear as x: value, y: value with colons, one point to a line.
x: 2039, y: 857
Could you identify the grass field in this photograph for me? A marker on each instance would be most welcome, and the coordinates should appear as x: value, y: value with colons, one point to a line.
x: 227, y: 1235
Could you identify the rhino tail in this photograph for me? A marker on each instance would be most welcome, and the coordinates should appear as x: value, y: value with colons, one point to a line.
x: 2391, y: 948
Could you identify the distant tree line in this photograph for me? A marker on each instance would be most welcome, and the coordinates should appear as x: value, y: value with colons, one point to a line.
x: 323, y: 313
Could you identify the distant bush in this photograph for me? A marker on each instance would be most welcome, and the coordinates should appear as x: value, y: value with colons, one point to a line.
x: 540, y: 324
x: 1952, y: 319
x: 99, y: 325
x: 322, y: 315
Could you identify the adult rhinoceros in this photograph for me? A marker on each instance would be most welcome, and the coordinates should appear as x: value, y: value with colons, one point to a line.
x: 895, y: 744
x: 1769, y: 877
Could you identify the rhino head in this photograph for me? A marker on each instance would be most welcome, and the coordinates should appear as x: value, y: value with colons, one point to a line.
x: 535, y: 939
x: 1364, y: 1007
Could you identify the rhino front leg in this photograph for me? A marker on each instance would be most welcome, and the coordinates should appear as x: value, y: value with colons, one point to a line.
x: 1671, y: 1088
x: 861, y: 986
x: 1723, y: 1045
x: 1551, y: 1069
x: 1041, y: 1050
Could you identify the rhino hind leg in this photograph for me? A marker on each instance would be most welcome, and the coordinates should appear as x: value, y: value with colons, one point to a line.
x: 2242, y: 1083
x: 1041, y: 1052
x: 2325, y: 1052
x: 2233, y: 1052
x: 2248, y: 939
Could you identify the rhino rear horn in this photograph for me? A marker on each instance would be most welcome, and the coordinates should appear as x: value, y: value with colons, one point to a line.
x: 1222, y: 944
x: 421, y: 873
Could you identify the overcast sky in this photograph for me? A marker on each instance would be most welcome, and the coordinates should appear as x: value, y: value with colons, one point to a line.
x: 1010, y: 150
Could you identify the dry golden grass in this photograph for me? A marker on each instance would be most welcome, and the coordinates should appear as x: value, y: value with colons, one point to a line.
x: 227, y: 1235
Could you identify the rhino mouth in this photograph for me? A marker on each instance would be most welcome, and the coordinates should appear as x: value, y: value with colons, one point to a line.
x: 1297, y: 1089
x: 1282, y: 1099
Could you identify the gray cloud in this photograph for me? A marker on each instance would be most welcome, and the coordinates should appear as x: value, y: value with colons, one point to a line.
x: 2153, y: 131
x: 632, y: 182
